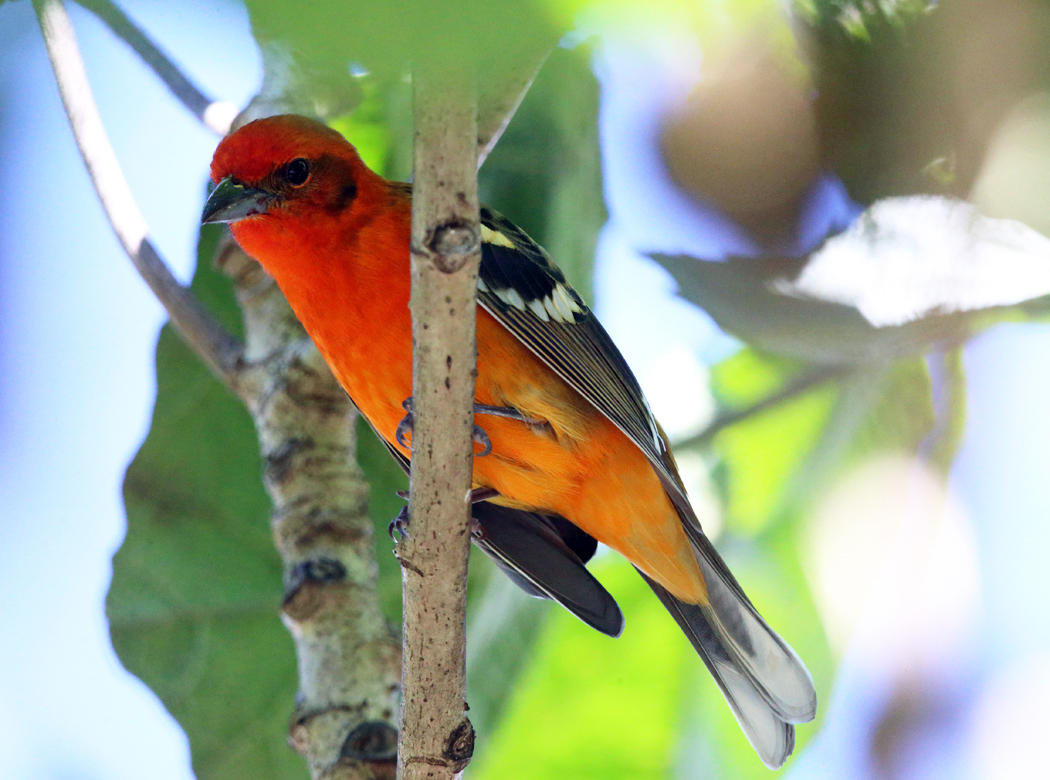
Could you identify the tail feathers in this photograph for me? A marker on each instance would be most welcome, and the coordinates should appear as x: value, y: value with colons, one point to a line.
x: 765, y: 684
x: 774, y: 669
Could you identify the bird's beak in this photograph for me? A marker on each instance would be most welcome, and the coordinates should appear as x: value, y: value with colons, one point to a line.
x: 231, y: 201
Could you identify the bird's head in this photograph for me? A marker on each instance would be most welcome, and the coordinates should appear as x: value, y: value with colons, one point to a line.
x: 284, y: 167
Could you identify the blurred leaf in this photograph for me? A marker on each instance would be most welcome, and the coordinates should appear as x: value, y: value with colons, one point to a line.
x: 594, y: 707
x: 758, y: 456
x: 899, y: 413
x: 908, y: 93
x: 910, y: 272
x: 906, y: 259
x: 380, y: 126
x: 881, y: 409
x: 326, y: 38
x: 545, y: 173
x: 194, y: 603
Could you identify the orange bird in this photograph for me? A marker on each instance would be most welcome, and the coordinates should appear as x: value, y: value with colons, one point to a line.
x: 572, y: 453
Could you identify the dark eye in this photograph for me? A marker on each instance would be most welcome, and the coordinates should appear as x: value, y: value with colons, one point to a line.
x: 296, y: 172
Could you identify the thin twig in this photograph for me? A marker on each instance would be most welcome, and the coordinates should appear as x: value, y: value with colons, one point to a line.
x: 216, y: 347
x: 436, y: 737
x: 797, y: 386
x: 216, y: 115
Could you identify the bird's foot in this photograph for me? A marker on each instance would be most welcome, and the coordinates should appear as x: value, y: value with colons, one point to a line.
x: 398, y: 527
x: 404, y: 428
x: 511, y: 413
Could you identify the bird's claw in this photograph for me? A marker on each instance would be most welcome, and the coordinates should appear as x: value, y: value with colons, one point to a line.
x: 398, y: 528
x: 404, y: 430
x: 483, y: 439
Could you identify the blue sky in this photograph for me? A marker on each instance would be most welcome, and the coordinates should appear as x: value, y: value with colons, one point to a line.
x: 77, y: 334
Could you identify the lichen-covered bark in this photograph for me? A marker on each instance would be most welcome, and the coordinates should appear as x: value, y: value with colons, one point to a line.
x: 348, y: 656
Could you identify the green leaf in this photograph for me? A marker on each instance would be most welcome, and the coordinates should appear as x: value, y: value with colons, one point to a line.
x: 545, y: 172
x: 194, y: 603
x: 590, y: 706
x: 758, y: 456
x: 328, y: 36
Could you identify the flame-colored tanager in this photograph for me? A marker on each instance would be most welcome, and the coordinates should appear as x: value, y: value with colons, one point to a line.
x: 573, y: 453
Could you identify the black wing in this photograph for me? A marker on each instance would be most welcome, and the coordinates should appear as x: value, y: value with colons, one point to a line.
x: 523, y: 289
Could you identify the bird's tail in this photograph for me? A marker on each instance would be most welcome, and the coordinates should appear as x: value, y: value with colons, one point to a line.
x: 767, y: 686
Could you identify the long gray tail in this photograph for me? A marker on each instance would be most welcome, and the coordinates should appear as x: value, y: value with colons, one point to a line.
x: 767, y: 686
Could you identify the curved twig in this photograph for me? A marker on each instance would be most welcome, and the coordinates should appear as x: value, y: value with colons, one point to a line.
x: 216, y: 347
x: 216, y: 115
x: 797, y: 386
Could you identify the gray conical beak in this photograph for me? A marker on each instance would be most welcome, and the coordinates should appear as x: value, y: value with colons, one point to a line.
x: 231, y: 201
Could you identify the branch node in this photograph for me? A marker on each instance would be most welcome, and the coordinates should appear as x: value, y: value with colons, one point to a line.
x: 451, y: 244
x: 459, y: 748
x: 308, y: 593
x: 373, y: 740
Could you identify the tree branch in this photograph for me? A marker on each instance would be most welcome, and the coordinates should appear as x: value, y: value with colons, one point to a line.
x: 216, y: 115
x: 807, y: 381
x: 436, y: 737
x: 348, y: 656
x: 217, y: 348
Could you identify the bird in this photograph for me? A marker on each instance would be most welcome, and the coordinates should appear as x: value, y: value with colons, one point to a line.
x: 571, y: 455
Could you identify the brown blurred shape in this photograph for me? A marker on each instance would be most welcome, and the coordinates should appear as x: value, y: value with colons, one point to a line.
x: 745, y: 141
x: 901, y: 104
x: 910, y: 106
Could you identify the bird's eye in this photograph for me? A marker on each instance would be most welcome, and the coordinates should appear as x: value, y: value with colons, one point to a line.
x: 296, y: 172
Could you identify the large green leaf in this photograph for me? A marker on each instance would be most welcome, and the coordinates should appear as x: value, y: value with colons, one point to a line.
x: 327, y: 37
x: 196, y: 592
x: 594, y: 707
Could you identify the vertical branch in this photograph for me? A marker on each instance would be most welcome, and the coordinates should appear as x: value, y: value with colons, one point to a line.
x: 348, y: 657
x: 436, y: 737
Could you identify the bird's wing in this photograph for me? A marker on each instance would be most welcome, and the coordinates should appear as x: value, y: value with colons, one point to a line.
x: 523, y: 289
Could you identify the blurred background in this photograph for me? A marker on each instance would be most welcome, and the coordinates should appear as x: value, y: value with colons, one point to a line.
x: 860, y: 419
